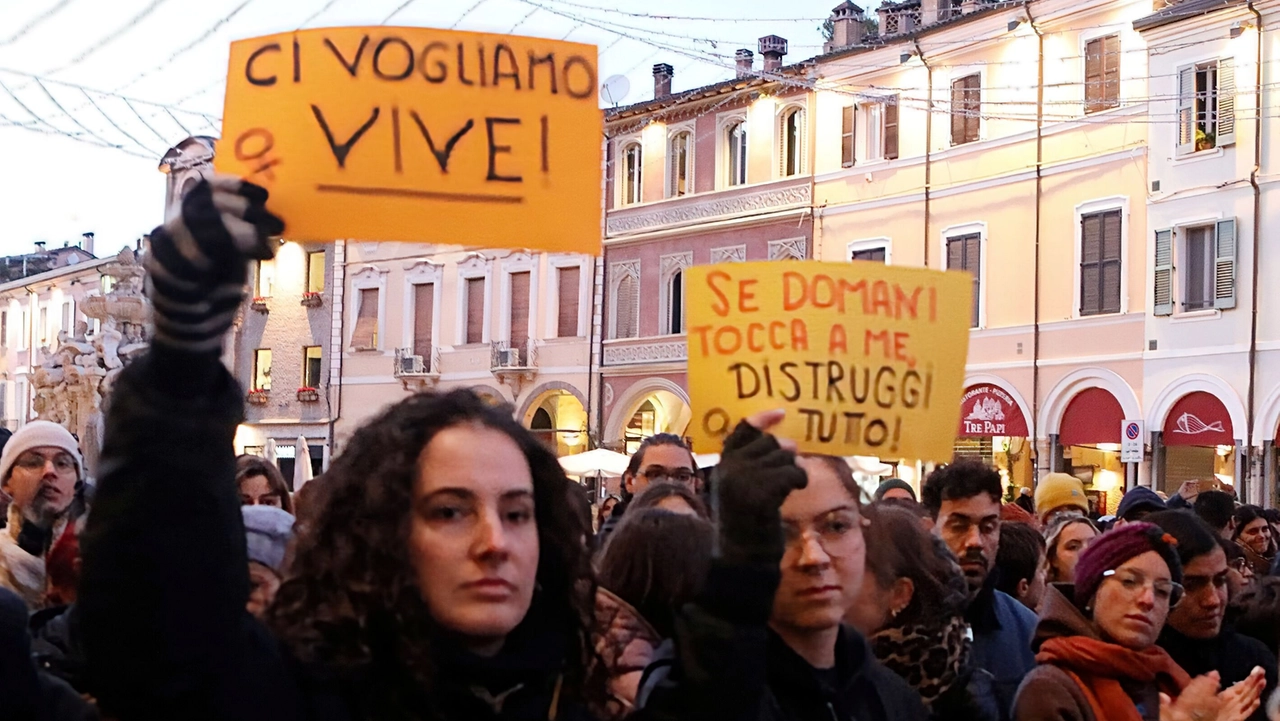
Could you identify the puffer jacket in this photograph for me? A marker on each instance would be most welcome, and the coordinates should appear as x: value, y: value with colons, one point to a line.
x: 626, y: 643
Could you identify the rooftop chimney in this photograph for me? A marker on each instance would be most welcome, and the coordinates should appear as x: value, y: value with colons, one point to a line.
x: 87, y: 243
x: 847, y: 26
x: 745, y: 59
x: 773, y: 48
x: 662, y: 74
x: 40, y: 246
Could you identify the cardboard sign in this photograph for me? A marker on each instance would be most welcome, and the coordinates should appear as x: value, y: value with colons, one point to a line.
x: 866, y: 359
x: 417, y: 134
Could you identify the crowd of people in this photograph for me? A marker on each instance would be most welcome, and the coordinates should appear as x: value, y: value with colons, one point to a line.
x: 420, y: 578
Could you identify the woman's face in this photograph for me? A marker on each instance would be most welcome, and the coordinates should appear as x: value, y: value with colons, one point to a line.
x: 1071, y: 542
x: 606, y: 508
x: 263, y: 584
x: 1256, y: 534
x: 473, y: 536
x: 1131, y: 606
x: 256, y: 491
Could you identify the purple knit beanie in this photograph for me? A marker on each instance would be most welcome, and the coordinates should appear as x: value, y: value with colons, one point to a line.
x: 1115, y: 548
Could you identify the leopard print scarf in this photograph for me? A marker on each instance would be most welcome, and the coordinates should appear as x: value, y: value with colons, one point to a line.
x: 929, y: 657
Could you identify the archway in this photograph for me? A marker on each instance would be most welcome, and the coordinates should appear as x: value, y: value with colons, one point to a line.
x: 654, y: 406
x: 1198, y: 425
x: 558, y: 418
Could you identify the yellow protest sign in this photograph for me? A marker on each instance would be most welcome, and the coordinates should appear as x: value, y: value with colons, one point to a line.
x: 416, y: 134
x: 867, y: 359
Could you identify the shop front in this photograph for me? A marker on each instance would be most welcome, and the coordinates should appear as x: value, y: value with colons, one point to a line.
x: 1196, y: 442
x: 993, y: 429
x: 1087, y: 446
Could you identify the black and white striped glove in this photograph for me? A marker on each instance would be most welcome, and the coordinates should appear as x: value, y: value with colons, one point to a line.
x: 196, y: 267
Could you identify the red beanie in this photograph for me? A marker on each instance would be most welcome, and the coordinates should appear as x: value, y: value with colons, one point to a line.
x: 1115, y: 548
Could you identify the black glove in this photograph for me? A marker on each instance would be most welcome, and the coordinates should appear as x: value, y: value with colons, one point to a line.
x: 754, y: 477
x: 196, y: 267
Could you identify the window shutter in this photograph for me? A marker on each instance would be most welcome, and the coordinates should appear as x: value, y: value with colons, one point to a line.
x: 1186, y: 111
x: 973, y: 263
x: 673, y: 167
x: 957, y: 112
x: 1226, y: 102
x: 891, y: 128
x: 1093, y: 75
x: 1090, y: 265
x: 1112, y: 263
x: 973, y: 104
x: 955, y: 254
x: 520, y: 310
x: 475, y: 311
x: 624, y: 321
x: 846, y: 137
x: 570, y: 289
x: 365, y: 335
x: 1224, y: 265
x: 1111, y: 71
x: 424, y: 307
x: 1162, y: 296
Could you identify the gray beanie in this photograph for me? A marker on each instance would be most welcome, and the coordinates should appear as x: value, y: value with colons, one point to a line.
x: 268, y: 531
x: 891, y: 484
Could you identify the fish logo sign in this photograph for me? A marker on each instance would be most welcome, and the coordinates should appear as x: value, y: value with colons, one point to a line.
x: 1190, y: 425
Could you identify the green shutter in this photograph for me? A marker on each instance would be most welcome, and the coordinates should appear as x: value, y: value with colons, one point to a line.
x: 1162, y: 297
x: 1224, y: 265
x: 1226, y: 102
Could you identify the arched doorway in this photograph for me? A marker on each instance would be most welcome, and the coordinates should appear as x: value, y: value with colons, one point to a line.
x: 1088, y: 446
x: 993, y: 429
x: 559, y: 420
x: 656, y: 412
x: 1198, y: 442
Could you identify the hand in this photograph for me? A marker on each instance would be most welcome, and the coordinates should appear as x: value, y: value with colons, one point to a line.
x: 756, y: 474
x: 1189, y: 490
x: 196, y: 262
x: 1241, y: 700
x: 1197, y: 702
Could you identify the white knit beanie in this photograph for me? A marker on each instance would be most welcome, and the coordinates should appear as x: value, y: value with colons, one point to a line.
x: 39, y: 434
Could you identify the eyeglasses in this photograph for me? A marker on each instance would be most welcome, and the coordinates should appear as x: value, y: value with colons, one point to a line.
x: 1241, y: 565
x: 657, y: 474
x: 1166, y: 592
x: 837, y: 532
x: 1196, y: 584
x: 32, y: 461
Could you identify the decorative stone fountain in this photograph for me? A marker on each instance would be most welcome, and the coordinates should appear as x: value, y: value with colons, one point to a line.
x: 74, y: 379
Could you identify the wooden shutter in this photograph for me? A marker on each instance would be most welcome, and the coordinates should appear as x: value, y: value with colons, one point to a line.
x: 846, y: 137
x: 1162, y: 292
x: 957, y: 111
x: 1093, y: 75
x: 475, y: 311
x: 973, y: 108
x: 365, y: 335
x: 570, y: 287
x: 1186, y: 111
x: 891, y: 128
x: 1112, y: 263
x: 424, y: 308
x: 1226, y: 102
x: 624, y: 321
x: 1111, y: 71
x: 1224, y: 265
x: 520, y: 311
x: 973, y: 264
x: 1091, y: 264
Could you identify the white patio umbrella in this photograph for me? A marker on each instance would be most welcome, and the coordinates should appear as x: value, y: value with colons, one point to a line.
x: 269, y: 450
x: 600, y: 462
x: 707, y: 460
x: 301, y: 464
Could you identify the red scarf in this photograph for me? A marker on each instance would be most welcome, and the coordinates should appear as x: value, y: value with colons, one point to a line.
x: 1099, y: 667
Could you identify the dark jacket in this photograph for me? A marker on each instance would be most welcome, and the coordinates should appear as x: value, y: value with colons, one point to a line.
x: 56, y: 644
x: 1002, y: 655
x: 164, y: 584
x: 860, y: 689
x: 26, y: 692
x: 1232, y: 655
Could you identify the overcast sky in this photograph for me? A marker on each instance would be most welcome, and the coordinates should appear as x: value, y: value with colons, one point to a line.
x: 174, y: 53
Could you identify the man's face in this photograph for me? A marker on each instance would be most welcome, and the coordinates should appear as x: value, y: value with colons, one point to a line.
x: 971, y: 529
x: 1199, y: 615
x: 43, y: 482
x: 663, y: 463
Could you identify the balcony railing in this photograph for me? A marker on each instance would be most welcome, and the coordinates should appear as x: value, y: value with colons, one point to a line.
x: 505, y: 356
x: 409, y: 364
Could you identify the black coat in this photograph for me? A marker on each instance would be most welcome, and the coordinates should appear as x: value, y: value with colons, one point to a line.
x: 1232, y: 655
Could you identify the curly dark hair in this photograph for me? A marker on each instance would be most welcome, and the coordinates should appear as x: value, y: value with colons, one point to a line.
x: 958, y: 481
x: 351, y: 598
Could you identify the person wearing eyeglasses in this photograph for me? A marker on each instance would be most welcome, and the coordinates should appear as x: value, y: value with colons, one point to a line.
x: 661, y: 458
x: 40, y: 470
x: 1096, y: 640
x: 1195, y: 635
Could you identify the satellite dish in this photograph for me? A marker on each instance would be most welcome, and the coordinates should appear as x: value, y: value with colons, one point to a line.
x: 615, y: 89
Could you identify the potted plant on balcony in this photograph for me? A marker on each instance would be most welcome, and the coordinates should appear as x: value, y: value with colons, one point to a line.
x: 259, y: 396
x: 312, y: 299
x: 259, y: 304
x: 307, y: 394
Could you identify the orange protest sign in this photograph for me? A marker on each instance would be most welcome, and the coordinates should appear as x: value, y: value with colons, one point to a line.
x: 417, y: 134
x: 867, y: 359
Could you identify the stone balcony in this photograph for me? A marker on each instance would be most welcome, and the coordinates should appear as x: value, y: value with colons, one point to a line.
x: 748, y: 200
x: 635, y: 351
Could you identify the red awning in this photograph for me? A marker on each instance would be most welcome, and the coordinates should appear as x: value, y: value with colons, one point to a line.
x: 1198, y: 419
x: 986, y: 410
x: 1093, y: 416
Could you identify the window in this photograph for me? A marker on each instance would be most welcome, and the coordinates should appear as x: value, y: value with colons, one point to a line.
x: 520, y: 310
x: 261, y: 370
x: 632, y: 162
x: 881, y: 121
x: 315, y: 272
x: 1205, y: 264
x: 66, y: 317
x: 675, y: 304
x: 107, y: 283
x: 1102, y: 73
x: 846, y: 136
x: 365, y: 336
x: 44, y: 324
x: 791, y: 152
x: 736, y: 153
x: 964, y: 252
x: 1206, y: 106
x: 875, y: 255
x: 312, y: 367
x: 569, y: 284
x: 266, y: 278
x: 424, y: 313
x: 24, y: 331
x: 966, y: 109
x: 680, y: 156
x: 1100, y: 263
x: 4, y: 327
x: 474, y: 311
x: 626, y: 312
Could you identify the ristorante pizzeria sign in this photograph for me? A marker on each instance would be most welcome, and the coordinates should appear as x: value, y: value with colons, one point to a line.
x: 987, y: 410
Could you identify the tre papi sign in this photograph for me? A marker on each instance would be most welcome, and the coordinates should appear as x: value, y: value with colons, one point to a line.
x: 417, y: 134
x: 866, y: 359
